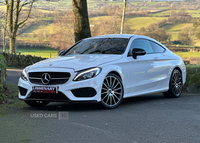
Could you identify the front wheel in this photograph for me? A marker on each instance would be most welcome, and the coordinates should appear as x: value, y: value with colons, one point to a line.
x: 175, y: 85
x: 36, y: 103
x: 112, y: 91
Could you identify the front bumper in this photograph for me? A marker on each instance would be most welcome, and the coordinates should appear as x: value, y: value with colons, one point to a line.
x: 75, y: 91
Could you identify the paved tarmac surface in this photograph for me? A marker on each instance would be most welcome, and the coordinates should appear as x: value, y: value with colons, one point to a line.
x: 144, y: 119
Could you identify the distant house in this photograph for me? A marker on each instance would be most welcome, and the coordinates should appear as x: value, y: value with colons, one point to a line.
x: 99, y: 4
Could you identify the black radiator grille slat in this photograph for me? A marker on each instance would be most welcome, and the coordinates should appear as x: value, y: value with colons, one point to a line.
x: 56, y: 77
x: 43, y: 96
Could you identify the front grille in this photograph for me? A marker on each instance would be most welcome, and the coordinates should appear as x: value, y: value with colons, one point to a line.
x: 50, y: 97
x: 56, y: 77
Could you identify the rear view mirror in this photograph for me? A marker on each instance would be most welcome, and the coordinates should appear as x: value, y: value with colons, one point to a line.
x: 138, y: 52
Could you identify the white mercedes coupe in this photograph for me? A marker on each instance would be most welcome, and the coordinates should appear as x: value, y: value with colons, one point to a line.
x: 104, y: 69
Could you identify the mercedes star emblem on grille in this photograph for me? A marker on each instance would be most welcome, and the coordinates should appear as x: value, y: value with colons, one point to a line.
x: 45, y: 78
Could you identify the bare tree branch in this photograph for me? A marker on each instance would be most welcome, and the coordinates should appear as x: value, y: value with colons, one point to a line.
x: 14, y: 7
x: 7, y: 4
x: 27, y: 15
x: 15, y: 25
x: 21, y: 26
x: 24, y: 4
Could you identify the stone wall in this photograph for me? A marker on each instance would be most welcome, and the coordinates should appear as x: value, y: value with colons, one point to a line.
x: 20, y: 61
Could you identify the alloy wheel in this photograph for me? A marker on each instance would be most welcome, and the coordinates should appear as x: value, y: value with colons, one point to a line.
x: 112, y: 91
x: 177, y: 83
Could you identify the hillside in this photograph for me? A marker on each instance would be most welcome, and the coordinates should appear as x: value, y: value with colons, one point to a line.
x: 139, y: 14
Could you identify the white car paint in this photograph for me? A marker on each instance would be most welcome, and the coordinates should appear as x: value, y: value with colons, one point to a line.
x: 149, y: 73
x: 77, y: 62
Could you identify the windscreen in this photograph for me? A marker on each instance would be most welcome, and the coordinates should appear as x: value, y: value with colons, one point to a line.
x: 100, y: 46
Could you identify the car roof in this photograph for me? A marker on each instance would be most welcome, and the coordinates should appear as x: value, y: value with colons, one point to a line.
x: 120, y: 36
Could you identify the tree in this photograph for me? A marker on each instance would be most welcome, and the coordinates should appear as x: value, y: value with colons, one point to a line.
x: 159, y: 34
x: 109, y: 26
x: 184, y: 38
x: 196, y: 26
x: 4, y: 37
x: 80, y: 19
x: 3, y: 18
x: 182, y: 10
x: 152, y: 27
x: 14, y: 8
x: 186, y: 34
x: 63, y: 37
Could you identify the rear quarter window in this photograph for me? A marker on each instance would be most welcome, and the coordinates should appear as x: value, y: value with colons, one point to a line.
x: 156, y: 48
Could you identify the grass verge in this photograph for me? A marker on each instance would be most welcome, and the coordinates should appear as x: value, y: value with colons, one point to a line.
x: 12, y: 101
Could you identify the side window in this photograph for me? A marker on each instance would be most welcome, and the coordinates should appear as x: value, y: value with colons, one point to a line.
x: 142, y: 44
x: 156, y: 48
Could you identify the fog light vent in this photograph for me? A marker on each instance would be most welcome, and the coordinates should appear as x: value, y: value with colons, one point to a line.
x: 84, y: 92
x: 22, y: 91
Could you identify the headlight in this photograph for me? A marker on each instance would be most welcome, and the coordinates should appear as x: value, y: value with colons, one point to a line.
x: 24, y: 75
x: 87, y: 74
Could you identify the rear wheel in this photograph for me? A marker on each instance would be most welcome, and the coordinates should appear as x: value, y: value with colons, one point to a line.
x: 175, y: 85
x: 36, y: 103
x: 112, y: 91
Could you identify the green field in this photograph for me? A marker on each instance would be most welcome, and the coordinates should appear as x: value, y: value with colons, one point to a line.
x: 96, y: 20
x: 164, y: 13
x: 61, y: 5
x: 194, y: 13
x: 175, y: 27
x: 92, y: 3
x: 39, y: 53
x: 194, y: 58
x: 188, y: 55
x: 50, y: 28
x: 139, y: 22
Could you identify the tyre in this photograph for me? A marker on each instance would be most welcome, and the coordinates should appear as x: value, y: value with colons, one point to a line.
x: 112, y: 91
x: 175, y: 85
x: 36, y: 103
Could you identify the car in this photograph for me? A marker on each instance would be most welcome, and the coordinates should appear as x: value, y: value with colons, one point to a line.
x: 104, y: 69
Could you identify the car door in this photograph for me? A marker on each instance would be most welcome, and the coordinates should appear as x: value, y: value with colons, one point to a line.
x: 164, y: 70
x: 144, y: 69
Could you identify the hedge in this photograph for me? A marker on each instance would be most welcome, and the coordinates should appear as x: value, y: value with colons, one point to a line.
x: 20, y: 61
x: 2, y: 76
x: 2, y: 69
x: 193, y: 79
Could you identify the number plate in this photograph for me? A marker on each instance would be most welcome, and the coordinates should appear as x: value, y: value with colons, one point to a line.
x: 42, y: 89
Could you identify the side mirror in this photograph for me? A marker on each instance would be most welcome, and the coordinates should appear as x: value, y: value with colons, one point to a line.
x: 138, y: 52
